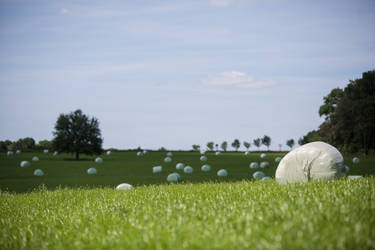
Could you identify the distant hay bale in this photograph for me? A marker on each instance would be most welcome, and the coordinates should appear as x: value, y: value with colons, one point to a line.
x: 356, y: 160
x: 258, y: 175
x: 264, y: 164
x: 222, y: 173
x: 266, y: 178
x: 45, y: 151
x: 55, y: 153
x: 247, y: 153
x: 173, y: 177
x: 170, y: 154
x: 188, y: 170
x: 206, y: 168
x: 99, y: 160
x: 18, y: 152
x: 254, y: 165
x: 180, y: 166
x: 167, y: 159
x: 91, y: 171
x: 278, y: 159
x: 263, y: 156
x: 38, y: 172
x: 35, y: 158
x: 157, y: 169
x: 109, y: 152
x: 203, y: 158
x: 10, y: 153
x: 218, y: 153
x: 25, y: 164
x: 124, y: 186
x: 139, y: 153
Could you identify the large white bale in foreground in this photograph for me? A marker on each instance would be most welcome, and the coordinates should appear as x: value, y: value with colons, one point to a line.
x: 312, y: 161
x: 124, y: 186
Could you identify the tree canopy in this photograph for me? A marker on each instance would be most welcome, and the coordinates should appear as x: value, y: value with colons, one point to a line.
x: 349, y: 117
x: 266, y: 141
x: 77, y: 133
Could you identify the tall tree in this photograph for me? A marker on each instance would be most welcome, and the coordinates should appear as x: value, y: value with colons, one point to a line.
x: 290, y: 143
x: 247, y: 145
x: 210, y: 145
x: 77, y: 133
x: 196, y: 147
x: 216, y: 147
x: 257, y: 142
x: 266, y: 141
x: 236, y: 144
x: 224, y: 145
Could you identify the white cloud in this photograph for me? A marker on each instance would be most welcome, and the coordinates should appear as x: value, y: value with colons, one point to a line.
x: 236, y: 79
x: 65, y: 11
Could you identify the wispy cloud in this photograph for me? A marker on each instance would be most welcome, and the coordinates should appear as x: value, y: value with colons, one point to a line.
x: 65, y: 11
x: 236, y: 79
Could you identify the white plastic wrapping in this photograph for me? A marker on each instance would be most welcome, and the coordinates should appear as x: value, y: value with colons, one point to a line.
x: 167, y: 159
x: 218, y: 153
x: 312, y: 161
x: 99, y: 160
x: 173, y: 177
x: 109, y: 152
x: 10, y: 153
x: 180, y: 166
x: 206, y: 168
x: 91, y: 171
x: 258, y: 175
x: 263, y: 156
x: 254, y: 165
x: 264, y: 164
x: 55, y: 153
x: 35, y: 158
x: 278, y: 159
x: 222, y: 172
x: 247, y: 153
x: 356, y: 160
x: 18, y: 152
x: 266, y: 178
x: 169, y: 154
x: 25, y: 164
x: 203, y: 158
x: 124, y: 186
x: 157, y: 169
x: 139, y: 153
x: 188, y: 170
x: 38, y: 172
x: 45, y: 151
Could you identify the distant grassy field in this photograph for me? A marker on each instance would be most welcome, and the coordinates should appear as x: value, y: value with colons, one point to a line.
x: 120, y: 167
x: 239, y: 215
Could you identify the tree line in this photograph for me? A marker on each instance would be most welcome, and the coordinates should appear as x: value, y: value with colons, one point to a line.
x: 236, y: 144
x: 349, y: 117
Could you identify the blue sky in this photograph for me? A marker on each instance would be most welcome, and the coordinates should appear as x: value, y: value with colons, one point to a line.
x: 177, y: 73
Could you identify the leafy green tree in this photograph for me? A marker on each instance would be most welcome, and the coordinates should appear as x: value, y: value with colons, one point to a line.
x: 24, y: 144
x: 4, y: 145
x: 44, y: 144
x: 266, y: 141
x: 224, y: 145
x: 236, y: 144
x: 196, y: 147
x: 330, y: 103
x: 77, y: 133
x: 247, y: 145
x: 290, y: 143
x: 210, y: 145
x: 257, y: 143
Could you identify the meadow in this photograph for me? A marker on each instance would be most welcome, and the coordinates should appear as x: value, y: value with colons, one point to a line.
x: 69, y: 209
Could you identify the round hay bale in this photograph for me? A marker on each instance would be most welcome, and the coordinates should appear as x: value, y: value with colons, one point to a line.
x: 258, y: 175
x: 25, y: 164
x: 10, y: 153
x: 263, y: 156
x: 18, y: 152
x: 170, y: 154
x: 109, y: 152
x: 264, y: 164
x: 254, y: 165
x: 247, y: 153
x: 188, y: 170
x: 311, y: 161
x: 45, y: 151
x: 222, y: 173
x: 173, y: 177
x: 203, y: 158
x: 38, y: 172
x: 218, y: 153
x: 91, y: 171
x: 266, y: 178
x: 35, y: 158
x: 99, y: 160
x: 206, y: 168
x: 124, y: 186
x: 157, y: 169
x: 55, y: 153
x: 180, y: 166
x: 167, y: 159
x: 278, y: 159
x: 356, y: 160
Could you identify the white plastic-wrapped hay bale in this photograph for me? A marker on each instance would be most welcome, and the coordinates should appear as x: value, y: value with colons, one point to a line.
x: 45, y: 151
x: 157, y: 169
x: 18, y: 152
x: 180, y: 166
x: 203, y: 158
x: 254, y: 165
x: 124, y: 186
x: 263, y: 156
x: 203, y: 152
x: 91, y: 171
x: 35, y: 158
x: 55, y: 153
x: 278, y: 159
x: 266, y: 178
x: 99, y: 160
x: 247, y: 153
x: 353, y: 177
x: 222, y: 173
x: 188, y: 170
x: 144, y: 152
x: 356, y: 160
x: 167, y: 159
x: 258, y: 175
x: 109, y: 152
x: 264, y: 164
x: 170, y: 154
x: 312, y: 161
x: 206, y: 168
x: 173, y: 177
x: 38, y: 172
x: 139, y: 153
x: 10, y: 153
x: 25, y: 164
x: 218, y: 153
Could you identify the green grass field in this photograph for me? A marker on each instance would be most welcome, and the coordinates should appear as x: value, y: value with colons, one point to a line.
x: 126, y: 167
x: 203, y: 212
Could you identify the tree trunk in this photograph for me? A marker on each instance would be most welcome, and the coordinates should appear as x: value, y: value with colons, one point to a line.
x: 77, y: 156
